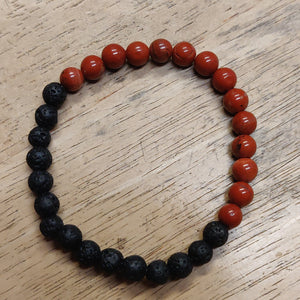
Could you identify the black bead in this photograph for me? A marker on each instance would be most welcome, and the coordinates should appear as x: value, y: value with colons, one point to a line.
x: 40, y: 182
x: 111, y: 260
x: 54, y: 94
x: 46, y: 205
x: 70, y: 237
x: 157, y: 272
x: 46, y: 116
x: 39, y: 158
x: 200, y: 253
x: 88, y: 254
x: 215, y: 234
x: 51, y: 226
x: 39, y: 136
x: 180, y: 265
x: 134, y: 268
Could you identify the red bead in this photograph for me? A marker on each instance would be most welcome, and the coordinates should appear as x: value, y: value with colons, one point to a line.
x: 113, y: 56
x: 223, y: 80
x: 160, y: 51
x: 230, y: 215
x: 243, y: 146
x: 240, y: 193
x: 72, y: 79
x: 235, y: 100
x: 244, y: 169
x: 137, y: 54
x: 92, y: 67
x: 244, y: 122
x: 183, y: 54
x: 206, y: 63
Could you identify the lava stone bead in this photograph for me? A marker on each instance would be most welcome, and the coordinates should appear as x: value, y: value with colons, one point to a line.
x: 134, y: 268
x: 200, y: 253
x: 54, y: 94
x: 215, y: 234
x: 180, y: 265
x: 40, y: 182
x: 51, y: 226
x: 46, y: 116
x: 111, y: 260
x: 39, y: 158
x: 88, y: 254
x: 157, y: 272
x: 39, y: 136
x: 70, y: 237
x: 46, y: 205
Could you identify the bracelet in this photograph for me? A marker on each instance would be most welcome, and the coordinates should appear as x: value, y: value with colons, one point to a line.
x: 244, y: 169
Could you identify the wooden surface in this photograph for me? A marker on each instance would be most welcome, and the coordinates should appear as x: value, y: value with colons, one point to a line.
x: 141, y: 158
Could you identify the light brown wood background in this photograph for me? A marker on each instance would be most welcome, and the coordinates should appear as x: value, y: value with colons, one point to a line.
x: 141, y: 158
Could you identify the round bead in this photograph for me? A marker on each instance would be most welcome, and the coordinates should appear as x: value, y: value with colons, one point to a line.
x: 39, y: 158
x: 223, y: 80
x: 244, y: 122
x: 39, y: 136
x: 160, y: 51
x: 244, y: 169
x: 72, y: 79
x: 180, y: 265
x: 215, y: 234
x: 50, y: 226
x: 111, y: 260
x: 157, y: 272
x: 46, y: 205
x: 54, y: 94
x: 70, y: 237
x: 88, y: 254
x: 92, y: 67
x: 137, y: 54
x: 206, y: 63
x: 231, y: 215
x: 243, y: 146
x: 134, y: 268
x: 240, y: 193
x: 183, y: 54
x: 40, y: 182
x: 235, y: 100
x: 200, y: 253
x: 113, y: 56
x: 46, y: 116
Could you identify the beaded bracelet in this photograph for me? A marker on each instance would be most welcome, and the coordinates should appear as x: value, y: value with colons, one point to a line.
x: 244, y: 169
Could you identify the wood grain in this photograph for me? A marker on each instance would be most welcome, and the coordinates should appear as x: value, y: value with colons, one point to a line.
x: 141, y: 158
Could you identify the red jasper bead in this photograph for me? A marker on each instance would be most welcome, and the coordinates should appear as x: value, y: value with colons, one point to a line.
x: 113, y: 56
x: 240, y: 193
x: 235, y: 100
x: 230, y: 215
x: 183, y: 54
x: 72, y: 79
x: 223, y: 80
x: 160, y: 51
x: 92, y: 67
x: 243, y: 146
x: 137, y: 54
x: 244, y: 122
x: 244, y: 169
x: 206, y: 63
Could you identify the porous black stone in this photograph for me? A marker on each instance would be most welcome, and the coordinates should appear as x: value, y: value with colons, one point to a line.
x: 111, y: 260
x: 40, y: 182
x: 51, y: 226
x: 70, y: 237
x: 39, y: 136
x: 157, y: 272
x: 46, y: 205
x: 215, y: 234
x: 46, y: 116
x: 200, y: 253
x: 88, y: 253
x: 54, y: 94
x: 180, y: 265
x: 134, y: 268
x: 39, y: 158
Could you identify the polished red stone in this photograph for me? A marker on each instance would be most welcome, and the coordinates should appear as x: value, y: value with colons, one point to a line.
x: 240, y: 193
x: 183, y: 54
x: 235, y: 100
x: 137, y: 54
x: 230, y: 215
x: 92, y: 67
x: 244, y: 169
x: 113, y: 56
x: 223, y: 80
x: 72, y: 79
x: 206, y: 63
x: 243, y: 146
x: 160, y: 51
x: 244, y: 122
